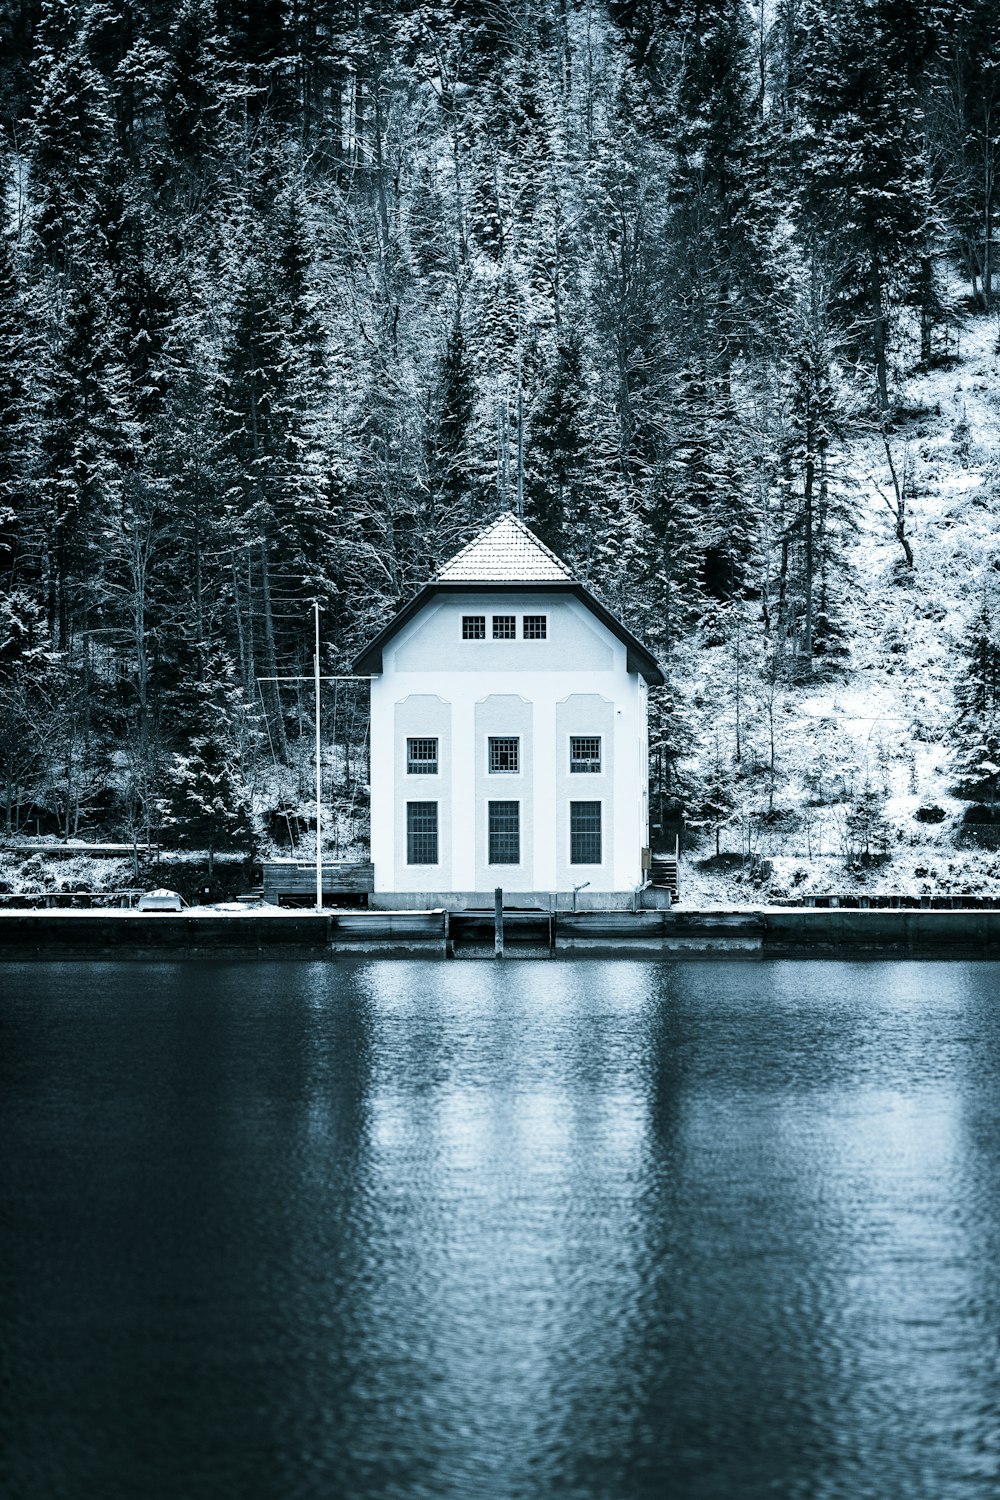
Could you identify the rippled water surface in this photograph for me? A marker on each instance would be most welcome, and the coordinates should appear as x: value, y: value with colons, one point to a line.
x: 539, y: 1229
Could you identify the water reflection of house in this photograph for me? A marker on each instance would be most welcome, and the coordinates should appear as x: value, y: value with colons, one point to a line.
x: 508, y: 735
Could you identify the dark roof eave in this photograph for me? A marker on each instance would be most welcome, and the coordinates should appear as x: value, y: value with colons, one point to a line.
x: 639, y: 660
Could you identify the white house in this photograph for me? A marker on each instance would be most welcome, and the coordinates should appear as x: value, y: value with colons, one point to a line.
x: 508, y: 736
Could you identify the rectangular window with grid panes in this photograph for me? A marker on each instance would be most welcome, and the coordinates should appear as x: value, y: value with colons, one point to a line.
x: 584, y: 752
x: 421, y: 833
x: 504, y: 833
x: 535, y: 627
x: 505, y: 627
x: 504, y: 755
x: 473, y: 627
x: 585, y: 833
x: 421, y: 757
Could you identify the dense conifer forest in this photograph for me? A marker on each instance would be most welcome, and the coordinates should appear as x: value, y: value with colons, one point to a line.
x: 296, y: 296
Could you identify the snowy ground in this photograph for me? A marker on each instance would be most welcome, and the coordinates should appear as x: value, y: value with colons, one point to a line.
x: 33, y: 874
x: 885, y: 722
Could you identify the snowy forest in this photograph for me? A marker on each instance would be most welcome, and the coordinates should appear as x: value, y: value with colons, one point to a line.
x: 296, y: 296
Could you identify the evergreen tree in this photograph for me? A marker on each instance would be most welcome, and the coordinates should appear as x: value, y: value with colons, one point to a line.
x: 668, y: 560
x: 628, y: 224
x: 807, y: 579
x: 861, y: 161
x: 964, y: 130
x: 449, y: 460
x: 976, y: 754
x: 197, y: 84
x: 867, y: 832
x: 71, y: 136
x: 17, y: 27
x: 270, y: 450
x: 206, y: 800
x: 17, y: 428
x: 86, y: 437
x: 559, y: 466
x: 121, y: 44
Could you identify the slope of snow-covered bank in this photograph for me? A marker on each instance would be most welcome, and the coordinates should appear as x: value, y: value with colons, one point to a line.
x: 884, y: 722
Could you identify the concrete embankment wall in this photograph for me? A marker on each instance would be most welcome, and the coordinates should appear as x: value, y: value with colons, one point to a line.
x: 789, y: 932
x: 683, y: 933
x: 766, y: 933
x: 794, y: 931
x: 166, y: 935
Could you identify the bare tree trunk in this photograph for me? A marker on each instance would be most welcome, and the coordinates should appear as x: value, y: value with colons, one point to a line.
x: 139, y: 557
x: 244, y: 665
x: 988, y: 234
x: 566, y: 49
x: 251, y: 661
x: 270, y: 654
x: 359, y: 120
x: 383, y: 207
x: 739, y: 687
x: 199, y: 615
x: 807, y: 522
x: 520, y: 451
x: 879, y: 330
x: 504, y: 455
x: 880, y: 337
x: 782, y: 610
x: 69, y: 782
x: 898, y: 507
x: 926, y: 319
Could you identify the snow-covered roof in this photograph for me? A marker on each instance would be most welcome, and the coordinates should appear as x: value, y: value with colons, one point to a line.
x: 507, y: 555
x: 506, y: 551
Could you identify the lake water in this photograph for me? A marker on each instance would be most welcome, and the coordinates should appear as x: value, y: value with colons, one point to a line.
x: 535, y: 1229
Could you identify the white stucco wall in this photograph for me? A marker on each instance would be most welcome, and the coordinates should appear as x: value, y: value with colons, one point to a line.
x: 574, y: 682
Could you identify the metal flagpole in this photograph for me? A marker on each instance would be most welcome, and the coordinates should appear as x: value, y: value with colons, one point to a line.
x: 317, y: 679
x: 319, y: 773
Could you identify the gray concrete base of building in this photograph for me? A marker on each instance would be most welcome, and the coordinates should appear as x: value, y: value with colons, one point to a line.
x: 650, y: 898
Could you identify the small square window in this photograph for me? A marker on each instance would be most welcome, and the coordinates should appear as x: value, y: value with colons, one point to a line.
x: 421, y: 833
x: 535, y: 627
x: 422, y: 757
x: 505, y: 627
x: 585, y: 833
x: 584, y: 752
x: 505, y: 833
x: 505, y: 757
x: 473, y: 627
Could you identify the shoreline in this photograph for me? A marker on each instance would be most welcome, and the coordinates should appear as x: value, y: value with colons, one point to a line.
x: 746, y: 932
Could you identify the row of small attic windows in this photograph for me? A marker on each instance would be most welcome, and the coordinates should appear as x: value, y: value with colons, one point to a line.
x: 533, y: 627
x: 503, y: 833
x: 503, y: 755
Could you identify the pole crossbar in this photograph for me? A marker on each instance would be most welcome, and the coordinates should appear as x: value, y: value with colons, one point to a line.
x: 316, y: 678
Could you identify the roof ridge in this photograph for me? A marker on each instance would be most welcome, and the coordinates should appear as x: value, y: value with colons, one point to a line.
x: 523, y: 526
x: 472, y: 542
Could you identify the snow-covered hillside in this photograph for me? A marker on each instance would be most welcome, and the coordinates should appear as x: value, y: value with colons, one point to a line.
x: 885, y: 722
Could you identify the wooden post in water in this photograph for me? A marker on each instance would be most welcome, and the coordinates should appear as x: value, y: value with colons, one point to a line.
x: 498, y: 922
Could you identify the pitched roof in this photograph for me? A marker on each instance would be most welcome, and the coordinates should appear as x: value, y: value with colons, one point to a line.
x: 507, y: 555
x: 505, y: 552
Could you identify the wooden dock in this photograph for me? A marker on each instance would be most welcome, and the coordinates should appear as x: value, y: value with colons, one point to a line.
x: 292, y: 882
